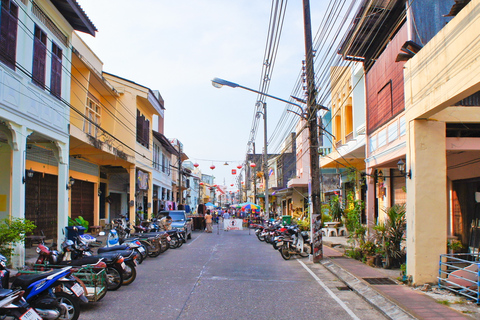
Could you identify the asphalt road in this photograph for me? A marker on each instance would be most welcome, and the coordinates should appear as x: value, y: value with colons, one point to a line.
x: 230, y: 275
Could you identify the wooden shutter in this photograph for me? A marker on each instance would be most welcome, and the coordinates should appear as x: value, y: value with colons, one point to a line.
x: 146, y: 133
x: 139, y: 127
x: 56, y: 76
x: 8, y: 33
x: 39, y: 57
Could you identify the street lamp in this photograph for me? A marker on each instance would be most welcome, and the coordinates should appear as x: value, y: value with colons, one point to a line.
x: 219, y: 83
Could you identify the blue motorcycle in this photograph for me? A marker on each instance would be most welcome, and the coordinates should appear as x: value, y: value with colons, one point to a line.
x: 54, y: 294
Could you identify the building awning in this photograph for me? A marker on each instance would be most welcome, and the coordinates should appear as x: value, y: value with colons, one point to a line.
x: 75, y: 15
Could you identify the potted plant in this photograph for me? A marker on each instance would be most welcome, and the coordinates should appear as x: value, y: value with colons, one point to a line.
x: 390, y: 235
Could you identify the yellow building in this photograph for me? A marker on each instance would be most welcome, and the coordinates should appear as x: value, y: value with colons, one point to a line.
x: 345, y: 149
x: 442, y: 83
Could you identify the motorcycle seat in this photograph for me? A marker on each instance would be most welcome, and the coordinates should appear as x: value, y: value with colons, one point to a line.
x: 124, y: 253
x: 80, y: 262
x: 25, y: 280
x: 5, y: 292
x: 114, y: 248
x: 108, y: 257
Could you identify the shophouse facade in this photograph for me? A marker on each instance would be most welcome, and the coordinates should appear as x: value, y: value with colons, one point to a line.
x: 442, y: 117
x: 163, y: 152
x: 342, y: 158
x: 384, y: 36
x: 35, y: 55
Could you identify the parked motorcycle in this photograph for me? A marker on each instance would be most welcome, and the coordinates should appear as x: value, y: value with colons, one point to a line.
x: 114, y: 241
x: 13, y: 305
x: 295, y: 242
x: 54, y: 294
x: 177, y: 238
x: 122, y: 262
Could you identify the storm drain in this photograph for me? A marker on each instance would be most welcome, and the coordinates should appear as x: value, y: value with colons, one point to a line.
x: 346, y: 288
x: 378, y: 281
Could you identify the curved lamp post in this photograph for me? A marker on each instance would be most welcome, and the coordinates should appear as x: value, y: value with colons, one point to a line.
x: 219, y: 83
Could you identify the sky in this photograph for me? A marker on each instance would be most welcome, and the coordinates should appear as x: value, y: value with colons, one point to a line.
x: 177, y: 47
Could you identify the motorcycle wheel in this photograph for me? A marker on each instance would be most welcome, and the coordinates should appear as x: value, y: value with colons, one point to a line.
x: 73, y: 307
x: 114, y: 279
x: 130, y: 273
x: 261, y: 238
x: 174, y: 243
x: 285, y: 252
x: 139, y: 256
x: 307, y: 250
x: 180, y: 243
x: 145, y: 246
x: 155, y: 253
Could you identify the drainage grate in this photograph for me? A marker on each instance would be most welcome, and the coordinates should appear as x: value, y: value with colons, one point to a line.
x: 346, y: 288
x: 379, y: 281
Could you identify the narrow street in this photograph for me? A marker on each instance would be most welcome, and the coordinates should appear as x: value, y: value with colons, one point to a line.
x: 230, y: 275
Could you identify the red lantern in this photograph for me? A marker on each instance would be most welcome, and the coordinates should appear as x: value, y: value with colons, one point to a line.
x: 234, y: 171
x: 212, y: 167
x: 195, y: 164
x: 243, y: 182
x: 239, y: 166
x: 231, y: 185
x: 201, y: 183
x: 253, y: 165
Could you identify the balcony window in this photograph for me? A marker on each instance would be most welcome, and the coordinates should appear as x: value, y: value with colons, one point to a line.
x: 93, y: 116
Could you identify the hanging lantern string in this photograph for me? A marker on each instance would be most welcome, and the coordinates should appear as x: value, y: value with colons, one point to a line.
x: 224, y: 161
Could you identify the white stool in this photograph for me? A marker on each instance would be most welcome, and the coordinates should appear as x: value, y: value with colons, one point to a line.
x: 342, y: 231
x: 324, y: 232
x: 332, y: 231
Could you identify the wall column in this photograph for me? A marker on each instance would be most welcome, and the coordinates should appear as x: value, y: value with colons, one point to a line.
x: 370, y: 201
x: 18, y: 144
x: 149, y: 208
x: 426, y: 199
x: 61, y: 153
x: 133, y: 182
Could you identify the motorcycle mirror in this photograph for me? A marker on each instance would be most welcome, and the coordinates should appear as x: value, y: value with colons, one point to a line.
x: 101, y: 233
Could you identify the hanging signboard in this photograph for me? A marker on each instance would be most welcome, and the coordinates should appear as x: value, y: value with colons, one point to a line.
x: 142, y: 180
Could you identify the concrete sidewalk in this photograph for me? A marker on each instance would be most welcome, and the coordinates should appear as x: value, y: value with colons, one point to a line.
x: 395, y: 300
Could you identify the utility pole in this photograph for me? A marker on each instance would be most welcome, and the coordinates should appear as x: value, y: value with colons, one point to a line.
x: 316, y: 212
x: 180, y: 193
x: 265, y: 160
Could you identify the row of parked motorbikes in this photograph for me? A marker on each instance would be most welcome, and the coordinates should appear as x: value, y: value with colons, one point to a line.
x: 61, y: 281
x: 289, y: 240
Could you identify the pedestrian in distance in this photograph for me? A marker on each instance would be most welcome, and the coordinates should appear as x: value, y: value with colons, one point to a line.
x: 165, y: 223
x: 208, y: 221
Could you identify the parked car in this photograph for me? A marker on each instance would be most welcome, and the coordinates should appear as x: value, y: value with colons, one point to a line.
x: 180, y: 221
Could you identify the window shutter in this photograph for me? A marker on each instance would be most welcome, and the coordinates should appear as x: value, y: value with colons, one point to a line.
x: 56, y: 76
x: 139, y: 127
x: 39, y: 57
x: 146, y: 133
x: 8, y: 33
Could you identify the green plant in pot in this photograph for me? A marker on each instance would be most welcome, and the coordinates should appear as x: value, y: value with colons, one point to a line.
x: 390, y: 235
x: 80, y: 221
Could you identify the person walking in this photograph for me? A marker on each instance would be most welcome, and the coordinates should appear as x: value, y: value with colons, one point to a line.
x: 208, y: 221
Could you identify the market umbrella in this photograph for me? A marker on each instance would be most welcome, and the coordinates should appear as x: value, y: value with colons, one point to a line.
x: 209, y: 204
x: 250, y: 206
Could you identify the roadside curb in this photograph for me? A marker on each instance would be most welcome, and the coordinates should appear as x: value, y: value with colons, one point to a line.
x: 377, y: 300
